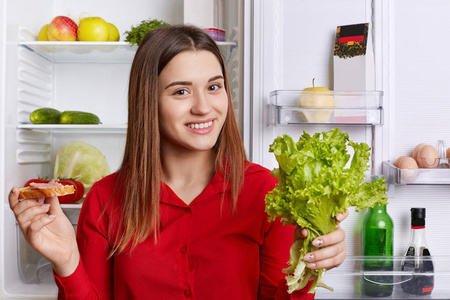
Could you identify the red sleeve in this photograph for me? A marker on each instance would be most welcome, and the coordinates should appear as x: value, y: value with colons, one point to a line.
x: 274, y: 255
x: 93, y: 278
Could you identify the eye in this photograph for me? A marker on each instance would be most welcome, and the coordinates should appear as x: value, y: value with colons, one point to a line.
x: 181, y: 92
x: 214, y: 87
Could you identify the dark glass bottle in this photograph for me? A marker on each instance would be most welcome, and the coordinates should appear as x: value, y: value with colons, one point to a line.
x: 377, y: 239
x: 418, y: 259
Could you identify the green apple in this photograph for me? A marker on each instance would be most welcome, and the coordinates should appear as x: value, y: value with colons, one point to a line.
x: 42, y: 36
x: 114, y: 34
x: 93, y: 29
x: 316, y: 97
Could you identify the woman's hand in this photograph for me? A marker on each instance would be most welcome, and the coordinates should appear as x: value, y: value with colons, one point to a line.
x: 51, y: 235
x: 332, y: 246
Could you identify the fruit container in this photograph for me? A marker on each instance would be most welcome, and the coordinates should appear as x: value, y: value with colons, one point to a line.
x: 326, y: 107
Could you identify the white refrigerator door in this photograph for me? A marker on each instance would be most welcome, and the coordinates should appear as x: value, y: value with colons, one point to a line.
x: 292, y: 42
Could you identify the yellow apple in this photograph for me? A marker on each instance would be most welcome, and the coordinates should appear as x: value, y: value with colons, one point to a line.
x: 42, y: 36
x: 316, y: 97
x: 93, y: 29
x: 114, y: 34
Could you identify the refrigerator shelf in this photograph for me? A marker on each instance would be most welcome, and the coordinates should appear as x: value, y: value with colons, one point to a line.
x: 330, y: 107
x: 420, y: 176
x: 101, y: 128
x: 88, y: 52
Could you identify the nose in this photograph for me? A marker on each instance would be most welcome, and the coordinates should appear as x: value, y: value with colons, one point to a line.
x: 200, y: 104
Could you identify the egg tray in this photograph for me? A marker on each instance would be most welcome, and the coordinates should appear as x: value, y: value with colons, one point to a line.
x: 439, y: 175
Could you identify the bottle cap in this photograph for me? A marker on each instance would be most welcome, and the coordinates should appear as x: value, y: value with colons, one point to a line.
x: 417, y: 213
x: 417, y: 216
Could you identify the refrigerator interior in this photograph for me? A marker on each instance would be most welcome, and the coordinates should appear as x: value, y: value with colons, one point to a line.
x: 91, y: 77
x: 293, y: 42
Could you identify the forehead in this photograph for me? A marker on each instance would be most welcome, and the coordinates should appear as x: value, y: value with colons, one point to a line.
x: 192, y: 62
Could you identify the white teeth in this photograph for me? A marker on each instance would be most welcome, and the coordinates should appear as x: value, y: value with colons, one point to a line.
x: 201, y: 125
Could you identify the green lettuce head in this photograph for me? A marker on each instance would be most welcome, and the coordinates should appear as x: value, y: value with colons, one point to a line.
x: 314, y: 185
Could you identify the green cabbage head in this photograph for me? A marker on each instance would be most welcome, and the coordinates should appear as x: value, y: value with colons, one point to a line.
x: 82, y: 162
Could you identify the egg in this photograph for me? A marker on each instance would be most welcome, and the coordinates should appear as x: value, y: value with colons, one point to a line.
x: 410, y: 174
x: 408, y: 163
x: 428, y: 157
x: 397, y: 162
x: 417, y: 150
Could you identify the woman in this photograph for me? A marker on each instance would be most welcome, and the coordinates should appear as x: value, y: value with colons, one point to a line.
x: 184, y: 215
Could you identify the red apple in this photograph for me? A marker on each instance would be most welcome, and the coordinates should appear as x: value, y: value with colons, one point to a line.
x: 62, y: 29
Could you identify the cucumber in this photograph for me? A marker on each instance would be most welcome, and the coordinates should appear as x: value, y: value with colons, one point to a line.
x: 45, y: 115
x: 78, y: 117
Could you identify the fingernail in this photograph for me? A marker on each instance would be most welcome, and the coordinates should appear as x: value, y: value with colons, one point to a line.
x: 45, y: 206
x: 317, y: 242
x: 309, y: 257
x: 51, y: 216
x: 311, y: 265
x: 339, y: 217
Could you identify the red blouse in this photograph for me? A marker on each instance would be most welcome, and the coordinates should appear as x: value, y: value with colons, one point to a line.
x: 205, y: 251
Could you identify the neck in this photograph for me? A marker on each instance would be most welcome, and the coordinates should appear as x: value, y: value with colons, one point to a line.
x: 187, y: 172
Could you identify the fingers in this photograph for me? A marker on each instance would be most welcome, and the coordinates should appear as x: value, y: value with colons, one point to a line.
x: 342, y: 216
x: 300, y: 233
x: 40, y: 223
x: 332, y: 250
x: 13, y: 197
x: 327, y: 258
x: 55, y: 206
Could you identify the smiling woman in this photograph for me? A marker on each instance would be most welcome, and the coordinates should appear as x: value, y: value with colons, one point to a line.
x: 183, y: 217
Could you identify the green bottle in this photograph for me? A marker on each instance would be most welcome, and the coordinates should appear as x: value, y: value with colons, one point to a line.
x: 377, y: 239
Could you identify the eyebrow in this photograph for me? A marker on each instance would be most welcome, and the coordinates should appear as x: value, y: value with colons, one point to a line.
x: 190, y: 82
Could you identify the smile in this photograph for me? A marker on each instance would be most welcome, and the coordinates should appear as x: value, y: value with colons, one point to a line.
x: 200, y: 125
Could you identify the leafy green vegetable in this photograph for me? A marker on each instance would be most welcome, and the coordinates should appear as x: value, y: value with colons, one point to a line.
x: 82, y: 162
x: 314, y: 186
x: 136, y: 34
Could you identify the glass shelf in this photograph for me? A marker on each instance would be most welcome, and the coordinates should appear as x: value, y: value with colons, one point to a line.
x: 88, y: 52
x: 101, y: 128
x: 418, y: 176
x: 352, y: 272
x: 330, y: 107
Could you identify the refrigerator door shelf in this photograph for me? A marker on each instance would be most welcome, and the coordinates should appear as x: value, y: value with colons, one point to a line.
x: 384, y: 270
x: 326, y: 107
x: 420, y: 176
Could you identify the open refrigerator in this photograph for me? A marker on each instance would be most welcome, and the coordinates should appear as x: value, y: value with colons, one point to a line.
x: 273, y: 50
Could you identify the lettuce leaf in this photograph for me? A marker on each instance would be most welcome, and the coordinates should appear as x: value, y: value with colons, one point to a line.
x: 314, y: 186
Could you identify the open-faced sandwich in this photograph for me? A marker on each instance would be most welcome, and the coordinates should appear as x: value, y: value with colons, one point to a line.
x: 43, y: 190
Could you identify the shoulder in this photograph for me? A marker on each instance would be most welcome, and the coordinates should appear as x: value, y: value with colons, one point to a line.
x: 257, y: 171
x: 258, y: 177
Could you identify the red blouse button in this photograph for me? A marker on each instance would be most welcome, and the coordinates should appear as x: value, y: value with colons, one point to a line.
x: 183, y: 250
x: 187, y: 293
x: 187, y: 209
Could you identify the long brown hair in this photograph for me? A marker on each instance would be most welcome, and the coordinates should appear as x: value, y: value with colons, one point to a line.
x: 140, y: 172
